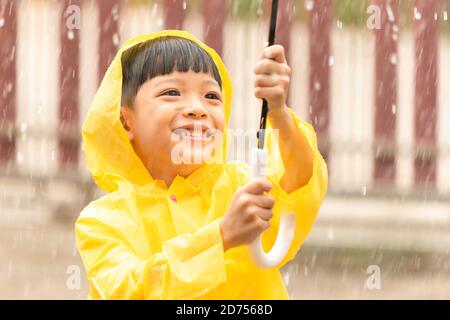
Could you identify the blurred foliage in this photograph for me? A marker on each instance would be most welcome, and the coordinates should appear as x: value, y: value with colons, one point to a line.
x: 352, y: 13
x: 245, y: 8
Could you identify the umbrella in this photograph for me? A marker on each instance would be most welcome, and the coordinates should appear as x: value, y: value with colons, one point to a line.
x: 259, y: 159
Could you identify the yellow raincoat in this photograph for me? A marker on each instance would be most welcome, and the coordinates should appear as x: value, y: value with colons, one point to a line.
x: 137, y: 243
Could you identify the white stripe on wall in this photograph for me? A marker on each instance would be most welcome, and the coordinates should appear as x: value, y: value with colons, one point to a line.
x: 89, y: 55
x: 193, y: 21
x: 340, y: 122
x: 352, y: 110
x: 405, y: 112
x: 26, y: 74
x: 299, y: 59
x: 362, y: 113
x: 49, y: 114
x: 443, y: 128
x: 139, y: 17
x: 243, y: 43
x: 37, y: 99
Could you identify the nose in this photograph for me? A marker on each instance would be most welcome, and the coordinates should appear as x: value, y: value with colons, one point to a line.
x: 196, y: 110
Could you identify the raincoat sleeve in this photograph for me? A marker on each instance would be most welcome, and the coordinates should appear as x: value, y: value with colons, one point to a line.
x: 305, y: 201
x: 120, y: 264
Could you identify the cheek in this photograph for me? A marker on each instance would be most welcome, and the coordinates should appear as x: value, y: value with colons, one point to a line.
x: 154, y: 130
x: 219, y: 120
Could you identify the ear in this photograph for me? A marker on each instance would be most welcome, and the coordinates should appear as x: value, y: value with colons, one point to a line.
x: 126, y: 118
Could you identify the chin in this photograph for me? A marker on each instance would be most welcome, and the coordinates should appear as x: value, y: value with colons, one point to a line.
x: 189, y: 155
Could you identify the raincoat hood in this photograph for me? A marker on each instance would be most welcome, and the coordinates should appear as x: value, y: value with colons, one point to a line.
x: 108, y: 152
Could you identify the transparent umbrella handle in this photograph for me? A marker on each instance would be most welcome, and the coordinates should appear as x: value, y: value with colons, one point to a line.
x: 287, y: 223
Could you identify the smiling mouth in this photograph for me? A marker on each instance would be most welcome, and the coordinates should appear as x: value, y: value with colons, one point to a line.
x: 195, y: 134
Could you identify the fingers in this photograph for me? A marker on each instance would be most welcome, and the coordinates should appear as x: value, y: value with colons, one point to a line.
x: 268, y: 67
x: 259, y: 205
x: 263, y: 201
x: 269, y: 93
x: 264, y: 225
x: 264, y: 214
x: 275, y: 52
x: 272, y: 76
x: 272, y: 80
x: 261, y: 219
x: 257, y: 186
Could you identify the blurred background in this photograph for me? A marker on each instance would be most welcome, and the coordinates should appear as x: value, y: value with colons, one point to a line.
x: 372, y: 77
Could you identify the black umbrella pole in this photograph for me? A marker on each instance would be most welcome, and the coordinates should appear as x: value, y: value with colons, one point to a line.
x: 265, y: 109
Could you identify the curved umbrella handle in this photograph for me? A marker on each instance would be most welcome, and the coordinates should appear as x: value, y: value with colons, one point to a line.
x: 287, y: 223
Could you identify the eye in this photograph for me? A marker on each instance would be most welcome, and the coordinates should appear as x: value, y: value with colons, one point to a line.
x: 171, y: 92
x: 213, y: 95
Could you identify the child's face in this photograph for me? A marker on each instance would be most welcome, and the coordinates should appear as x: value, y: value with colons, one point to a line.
x: 168, y: 109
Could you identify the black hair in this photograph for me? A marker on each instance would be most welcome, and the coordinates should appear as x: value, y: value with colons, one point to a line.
x: 162, y: 56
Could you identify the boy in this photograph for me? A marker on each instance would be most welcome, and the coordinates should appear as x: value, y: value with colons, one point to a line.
x: 171, y: 229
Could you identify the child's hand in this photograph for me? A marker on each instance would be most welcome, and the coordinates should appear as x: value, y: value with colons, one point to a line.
x: 248, y: 215
x: 272, y: 77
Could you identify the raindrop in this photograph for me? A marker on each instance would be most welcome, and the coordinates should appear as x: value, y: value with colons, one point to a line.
x: 70, y: 35
x: 9, y: 87
x: 160, y: 22
x: 330, y: 61
x: 435, y: 16
x: 115, y: 13
x: 154, y: 9
x: 12, y: 54
x: 53, y: 154
x: 417, y: 14
x: 115, y: 39
x: 23, y: 127
x: 339, y: 24
x: 286, y: 278
x: 2, y: 22
x: 445, y: 15
x: 395, y: 37
x: 364, y: 191
x: 184, y: 5
x: 19, y: 158
x: 259, y: 10
x: 309, y: 5
x: 393, y: 58
x: 394, y: 109
x: 391, y: 15
x: 317, y: 85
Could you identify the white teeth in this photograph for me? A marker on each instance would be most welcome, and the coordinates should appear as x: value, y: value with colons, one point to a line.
x: 181, y: 132
x: 194, y: 133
